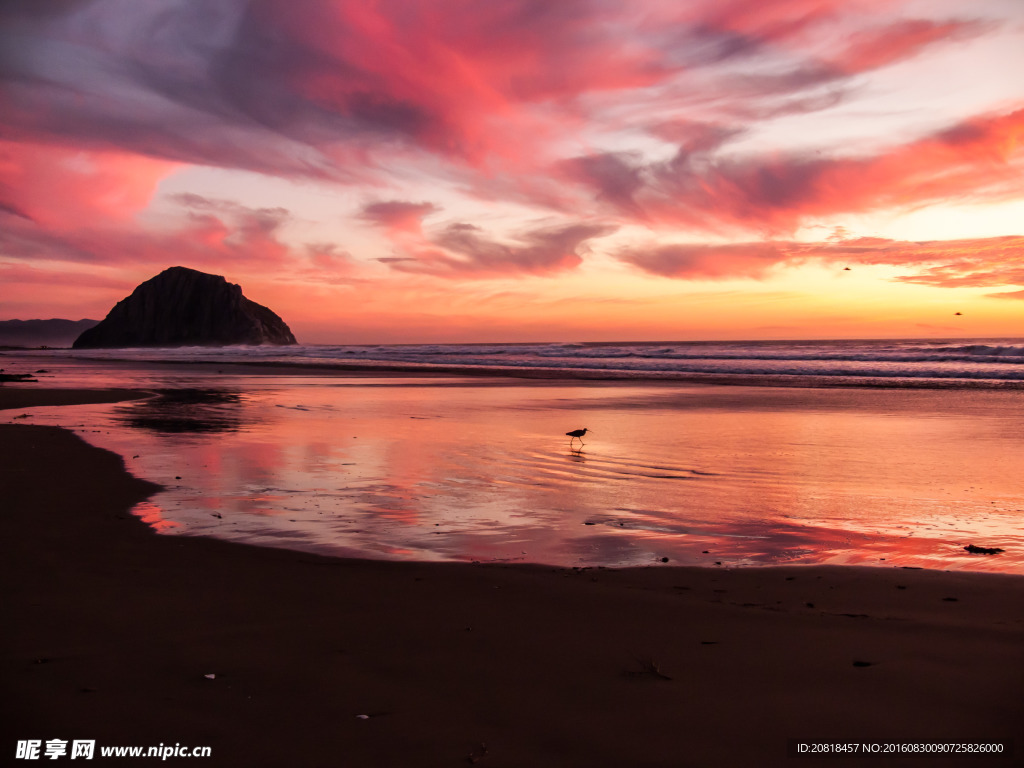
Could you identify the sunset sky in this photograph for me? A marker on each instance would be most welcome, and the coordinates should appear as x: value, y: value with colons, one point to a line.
x: 523, y: 170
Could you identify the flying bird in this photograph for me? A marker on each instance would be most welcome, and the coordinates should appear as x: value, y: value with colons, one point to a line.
x: 577, y: 433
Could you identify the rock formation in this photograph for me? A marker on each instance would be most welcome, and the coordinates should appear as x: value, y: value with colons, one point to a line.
x: 183, y: 307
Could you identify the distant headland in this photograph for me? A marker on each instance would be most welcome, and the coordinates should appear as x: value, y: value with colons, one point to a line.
x: 55, y: 332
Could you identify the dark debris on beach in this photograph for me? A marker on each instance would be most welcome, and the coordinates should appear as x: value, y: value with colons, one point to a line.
x: 975, y: 550
x: 21, y: 377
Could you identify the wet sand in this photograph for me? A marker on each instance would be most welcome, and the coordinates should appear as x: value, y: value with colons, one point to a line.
x: 112, y: 631
x: 474, y: 469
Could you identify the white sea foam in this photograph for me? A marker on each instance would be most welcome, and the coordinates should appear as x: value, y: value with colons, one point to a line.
x: 966, y: 362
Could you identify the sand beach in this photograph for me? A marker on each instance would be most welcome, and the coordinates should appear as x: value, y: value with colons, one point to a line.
x: 276, y: 657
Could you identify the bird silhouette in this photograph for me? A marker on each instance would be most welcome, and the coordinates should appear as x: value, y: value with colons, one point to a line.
x: 577, y: 433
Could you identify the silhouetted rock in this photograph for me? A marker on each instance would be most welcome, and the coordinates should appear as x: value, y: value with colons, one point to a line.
x: 184, y: 307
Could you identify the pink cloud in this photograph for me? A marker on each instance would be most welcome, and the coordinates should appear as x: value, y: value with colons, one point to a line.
x: 979, y: 262
x: 399, y: 217
x: 708, y: 262
x: 219, y: 235
x: 310, y: 89
x: 988, y: 262
x: 465, y: 250
x: 27, y: 275
x: 1007, y: 295
x: 319, y: 89
x: 980, y: 159
x: 792, y: 48
x: 328, y: 257
x: 69, y: 292
x: 881, y: 46
x: 61, y: 188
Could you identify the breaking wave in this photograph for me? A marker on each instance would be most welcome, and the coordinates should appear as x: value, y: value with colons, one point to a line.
x: 810, y: 362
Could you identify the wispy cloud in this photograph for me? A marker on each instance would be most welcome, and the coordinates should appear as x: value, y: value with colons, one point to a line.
x: 980, y: 159
x: 63, y: 188
x: 1007, y: 295
x: 977, y: 262
x: 399, y: 217
x: 709, y: 262
x: 215, y: 233
x: 325, y: 89
x: 465, y: 250
x: 307, y: 90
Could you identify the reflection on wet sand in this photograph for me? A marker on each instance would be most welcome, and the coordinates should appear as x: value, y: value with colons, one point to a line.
x: 691, y: 474
x: 185, y: 410
x: 153, y: 516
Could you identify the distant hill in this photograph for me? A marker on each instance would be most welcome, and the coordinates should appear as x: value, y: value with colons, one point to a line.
x: 42, y: 333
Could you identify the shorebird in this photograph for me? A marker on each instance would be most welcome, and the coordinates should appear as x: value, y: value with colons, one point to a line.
x: 577, y: 433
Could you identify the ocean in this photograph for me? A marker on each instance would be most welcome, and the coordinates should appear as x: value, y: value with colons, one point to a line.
x: 889, y: 363
x: 881, y: 453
